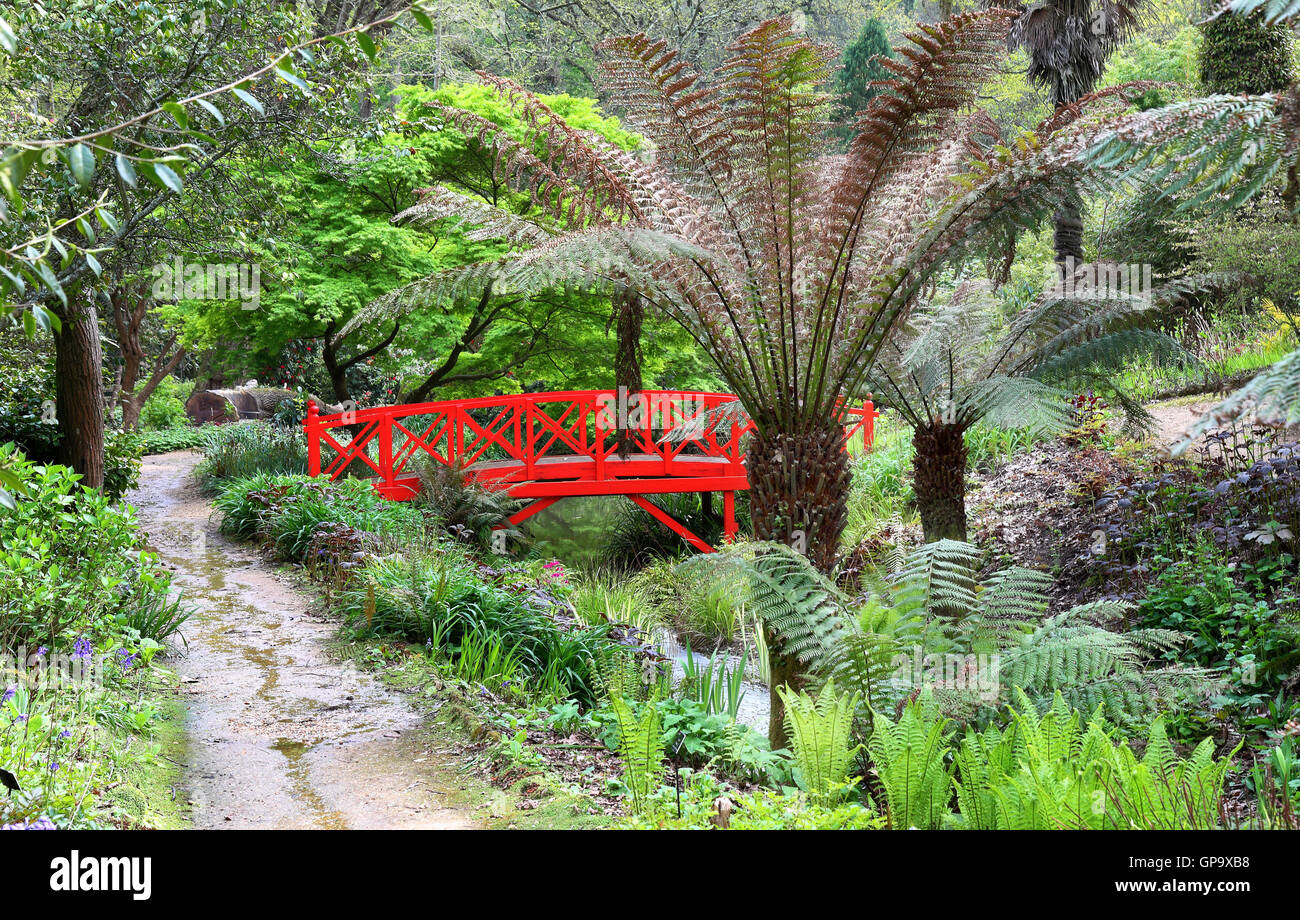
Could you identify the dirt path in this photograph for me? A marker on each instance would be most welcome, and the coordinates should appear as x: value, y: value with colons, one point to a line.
x: 280, y: 734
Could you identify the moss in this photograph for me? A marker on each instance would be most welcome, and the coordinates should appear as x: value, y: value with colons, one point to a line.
x: 145, y: 796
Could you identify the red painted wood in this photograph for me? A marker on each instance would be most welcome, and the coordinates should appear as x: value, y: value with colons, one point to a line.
x: 548, y: 446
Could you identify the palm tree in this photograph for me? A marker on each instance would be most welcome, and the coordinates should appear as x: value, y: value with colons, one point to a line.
x: 787, y: 264
x: 1069, y: 42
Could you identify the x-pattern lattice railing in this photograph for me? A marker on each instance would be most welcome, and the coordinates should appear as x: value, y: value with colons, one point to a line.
x: 547, y: 446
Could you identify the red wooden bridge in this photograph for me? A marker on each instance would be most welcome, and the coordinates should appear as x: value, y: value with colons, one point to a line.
x: 548, y: 446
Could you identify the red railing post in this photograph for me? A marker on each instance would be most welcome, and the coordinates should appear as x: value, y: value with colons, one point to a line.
x: 311, y: 427
x: 869, y: 415
x: 386, y: 447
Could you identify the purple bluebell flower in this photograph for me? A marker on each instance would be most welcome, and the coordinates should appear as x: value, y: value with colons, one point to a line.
x: 40, y: 824
x: 54, y: 766
x: 42, y: 651
x: 10, y: 691
x: 126, y: 659
x: 66, y: 733
x: 81, y: 648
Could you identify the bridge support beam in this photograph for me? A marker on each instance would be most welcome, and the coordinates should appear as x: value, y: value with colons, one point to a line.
x: 671, y: 523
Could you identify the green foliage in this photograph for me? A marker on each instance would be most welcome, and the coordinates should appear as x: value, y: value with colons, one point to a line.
x: 859, y: 70
x: 1244, y: 56
x: 166, y: 440
x: 908, y: 759
x: 821, y: 731
x: 286, y: 511
x: 641, y: 745
x: 121, y: 463
x: 636, y: 538
x: 715, y: 685
x: 73, y: 563
x: 165, y: 407
x: 1149, y: 58
x: 437, y: 596
x: 760, y: 809
x: 76, y: 583
x: 1053, y: 772
x: 703, y: 798
x: 1233, y: 615
x: 989, y: 637
x: 245, y: 449
x: 467, y: 510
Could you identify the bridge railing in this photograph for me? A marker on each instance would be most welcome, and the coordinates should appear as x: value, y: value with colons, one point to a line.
x: 531, y: 430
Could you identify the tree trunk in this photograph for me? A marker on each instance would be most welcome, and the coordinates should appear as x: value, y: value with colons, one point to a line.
x: 940, y: 481
x: 630, y: 312
x: 79, y: 394
x: 798, y: 495
x: 1067, y: 237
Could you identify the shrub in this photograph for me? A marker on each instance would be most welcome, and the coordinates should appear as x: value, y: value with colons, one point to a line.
x: 165, y: 407
x: 437, y: 596
x: 637, y: 538
x: 71, y: 560
x: 1234, y: 615
x: 166, y: 440
x: 290, y: 512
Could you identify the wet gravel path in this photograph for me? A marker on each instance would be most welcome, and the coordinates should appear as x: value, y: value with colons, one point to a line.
x: 280, y: 733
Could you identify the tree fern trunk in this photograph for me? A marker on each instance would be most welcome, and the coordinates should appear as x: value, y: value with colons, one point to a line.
x: 798, y: 496
x: 785, y: 671
x: 940, y: 481
x: 1067, y: 236
x: 627, y: 358
x: 798, y: 491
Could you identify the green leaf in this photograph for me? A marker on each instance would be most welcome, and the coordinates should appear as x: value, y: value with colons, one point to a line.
x: 213, y: 111
x: 126, y: 169
x: 81, y: 161
x: 19, y: 285
x: 284, y: 72
x: 368, y: 46
x: 164, y: 176
x: 250, y: 100
x: 8, y: 40
x: 107, y: 219
x: 422, y: 18
x: 47, y: 277
x: 178, y: 114
x: 14, y: 168
x: 94, y: 264
x: 48, y: 318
